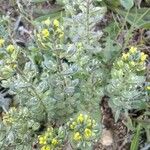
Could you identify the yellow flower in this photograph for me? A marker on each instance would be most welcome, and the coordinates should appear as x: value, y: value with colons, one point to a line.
x: 143, y: 56
x: 79, y: 45
x: 125, y: 56
x: 141, y: 63
x: 80, y: 118
x: 54, y: 142
x: 7, y: 119
x: 47, y: 22
x: 45, y: 33
x: 61, y: 35
x: 48, y: 134
x: 148, y: 87
x: 13, y: 109
x: 72, y: 126
x: 60, y: 32
x: 13, y: 65
x: 89, y: 123
x: 56, y: 23
x: 38, y: 36
x: 87, y: 133
x: 46, y: 148
x: 94, y: 122
x: 133, y: 50
x: 42, y: 140
x: 10, y: 48
x: 132, y: 63
x: 120, y: 63
x: 1, y: 42
x: 77, y: 136
x: 50, y: 129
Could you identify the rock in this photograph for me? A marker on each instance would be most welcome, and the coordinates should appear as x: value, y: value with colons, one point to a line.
x: 107, y: 138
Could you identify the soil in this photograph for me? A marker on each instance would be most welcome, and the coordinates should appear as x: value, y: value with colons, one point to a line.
x: 115, y: 135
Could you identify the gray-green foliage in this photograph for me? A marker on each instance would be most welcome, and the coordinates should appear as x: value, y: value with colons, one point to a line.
x: 56, y: 80
x: 127, y: 4
x: 84, y: 49
x: 126, y: 85
x: 18, y: 129
x: 64, y: 77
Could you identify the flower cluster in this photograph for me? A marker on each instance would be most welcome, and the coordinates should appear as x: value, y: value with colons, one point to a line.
x: 17, y: 117
x: 10, y: 48
x: 21, y: 124
x: 10, y: 55
x: 8, y: 118
x: 51, y: 139
x: 48, y: 30
x: 127, y: 76
x: 47, y: 22
x: 134, y: 59
x: 82, y: 128
x: 148, y: 88
x: 45, y: 33
x: 58, y: 31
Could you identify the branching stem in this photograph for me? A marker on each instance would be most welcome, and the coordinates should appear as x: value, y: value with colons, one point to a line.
x: 32, y: 88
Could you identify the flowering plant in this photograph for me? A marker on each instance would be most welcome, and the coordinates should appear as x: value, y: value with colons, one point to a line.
x: 128, y: 76
x: 83, y: 130
x: 64, y: 69
x: 52, y: 77
x: 52, y: 139
x: 19, y: 126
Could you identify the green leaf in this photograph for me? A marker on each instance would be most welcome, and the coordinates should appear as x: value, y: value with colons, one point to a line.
x: 135, y: 141
x: 127, y: 4
x: 112, y: 30
x: 117, y: 115
x: 51, y: 16
x: 38, y: 1
x: 138, y: 18
x: 112, y: 3
x: 110, y: 51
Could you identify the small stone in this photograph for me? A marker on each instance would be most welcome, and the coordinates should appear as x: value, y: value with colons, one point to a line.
x: 106, y: 138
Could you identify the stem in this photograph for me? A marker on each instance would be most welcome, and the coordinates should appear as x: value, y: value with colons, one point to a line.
x: 141, y: 121
x: 24, y: 13
x: 87, y: 20
x: 32, y: 88
x: 4, y: 138
x: 59, y: 66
